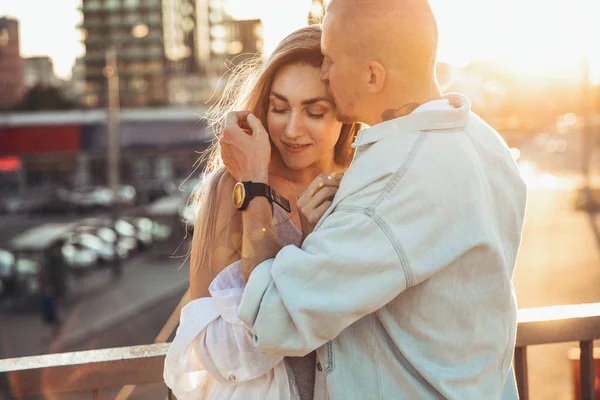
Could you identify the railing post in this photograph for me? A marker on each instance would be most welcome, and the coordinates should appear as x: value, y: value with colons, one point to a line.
x: 521, y: 372
x: 586, y: 370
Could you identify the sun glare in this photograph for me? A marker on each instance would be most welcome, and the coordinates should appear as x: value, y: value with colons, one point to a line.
x: 535, y: 38
x: 530, y: 37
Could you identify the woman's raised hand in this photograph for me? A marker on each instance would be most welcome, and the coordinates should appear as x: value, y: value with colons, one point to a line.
x: 245, y: 147
x: 316, y: 200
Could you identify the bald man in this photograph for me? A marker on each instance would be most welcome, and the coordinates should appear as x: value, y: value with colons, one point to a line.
x: 404, y: 286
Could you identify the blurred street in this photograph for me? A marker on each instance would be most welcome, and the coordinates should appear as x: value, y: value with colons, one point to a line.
x: 559, y: 261
x: 99, y: 311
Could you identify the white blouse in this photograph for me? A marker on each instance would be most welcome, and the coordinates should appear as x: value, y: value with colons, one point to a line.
x: 213, y: 356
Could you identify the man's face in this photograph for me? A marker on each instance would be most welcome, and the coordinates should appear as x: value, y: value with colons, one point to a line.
x: 339, y: 71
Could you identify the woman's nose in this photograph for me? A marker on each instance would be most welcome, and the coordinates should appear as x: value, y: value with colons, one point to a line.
x: 294, y: 126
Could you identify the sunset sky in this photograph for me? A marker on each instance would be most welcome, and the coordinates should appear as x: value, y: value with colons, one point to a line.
x: 532, y: 37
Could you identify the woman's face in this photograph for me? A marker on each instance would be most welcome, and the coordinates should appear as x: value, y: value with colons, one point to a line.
x: 301, y: 118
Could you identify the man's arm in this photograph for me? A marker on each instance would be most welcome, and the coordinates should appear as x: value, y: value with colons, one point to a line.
x: 261, y: 242
x: 303, y: 298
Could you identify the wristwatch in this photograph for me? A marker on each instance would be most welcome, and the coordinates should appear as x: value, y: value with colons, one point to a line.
x: 243, y: 192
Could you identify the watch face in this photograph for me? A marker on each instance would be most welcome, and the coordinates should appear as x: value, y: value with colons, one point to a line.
x: 239, y: 195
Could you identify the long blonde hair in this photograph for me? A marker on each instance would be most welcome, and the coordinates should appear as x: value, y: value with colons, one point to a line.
x: 249, y: 88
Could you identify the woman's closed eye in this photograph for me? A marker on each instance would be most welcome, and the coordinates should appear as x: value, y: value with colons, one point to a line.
x: 315, y: 115
x: 279, y: 110
x: 316, y: 111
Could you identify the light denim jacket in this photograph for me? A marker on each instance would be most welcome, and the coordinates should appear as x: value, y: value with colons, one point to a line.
x: 405, y: 285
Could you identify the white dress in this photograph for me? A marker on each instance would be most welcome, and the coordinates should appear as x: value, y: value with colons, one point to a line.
x: 213, y: 357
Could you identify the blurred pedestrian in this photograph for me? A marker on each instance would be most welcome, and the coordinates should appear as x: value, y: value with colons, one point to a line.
x: 53, y: 284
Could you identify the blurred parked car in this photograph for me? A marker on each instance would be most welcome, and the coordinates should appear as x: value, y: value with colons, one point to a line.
x: 7, y: 271
x: 80, y: 259
x: 126, y: 195
x: 150, y: 229
x: 126, y: 228
x: 19, y: 276
x: 105, y: 251
x: 86, y: 199
x: 30, y: 250
x: 124, y: 246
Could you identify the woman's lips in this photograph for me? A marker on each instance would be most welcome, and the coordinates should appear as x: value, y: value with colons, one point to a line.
x: 296, y: 148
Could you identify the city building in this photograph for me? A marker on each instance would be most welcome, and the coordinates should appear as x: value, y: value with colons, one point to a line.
x: 12, y: 88
x: 39, y: 71
x: 169, y: 52
x: 75, y: 89
x: 219, y: 43
x: 134, y: 29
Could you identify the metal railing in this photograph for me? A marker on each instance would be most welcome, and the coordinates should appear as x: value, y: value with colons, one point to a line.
x: 559, y: 324
x: 82, y: 371
x: 95, y: 370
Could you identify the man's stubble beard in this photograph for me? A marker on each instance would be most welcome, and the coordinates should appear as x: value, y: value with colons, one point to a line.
x: 341, y: 115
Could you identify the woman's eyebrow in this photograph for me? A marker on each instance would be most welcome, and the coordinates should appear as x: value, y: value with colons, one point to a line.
x: 304, y: 102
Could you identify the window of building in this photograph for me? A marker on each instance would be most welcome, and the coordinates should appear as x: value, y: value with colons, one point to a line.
x: 92, y: 5
x: 4, y: 38
x: 154, y: 49
x: 132, y: 3
x: 112, y: 4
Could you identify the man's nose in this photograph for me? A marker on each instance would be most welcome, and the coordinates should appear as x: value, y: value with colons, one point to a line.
x: 324, y: 74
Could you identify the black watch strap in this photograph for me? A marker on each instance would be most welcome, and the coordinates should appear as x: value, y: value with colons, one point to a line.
x: 255, y: 189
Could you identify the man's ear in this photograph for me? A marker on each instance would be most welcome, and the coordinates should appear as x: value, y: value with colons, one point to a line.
x: 376, y: 76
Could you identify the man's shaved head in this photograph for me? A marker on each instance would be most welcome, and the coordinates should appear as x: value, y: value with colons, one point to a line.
x: 380, y: 55
x: 398, y: 33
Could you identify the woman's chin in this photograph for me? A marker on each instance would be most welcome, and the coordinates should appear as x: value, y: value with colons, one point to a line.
x: 296, y: 164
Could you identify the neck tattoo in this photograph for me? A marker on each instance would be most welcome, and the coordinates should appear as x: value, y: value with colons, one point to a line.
x: 399, y: 112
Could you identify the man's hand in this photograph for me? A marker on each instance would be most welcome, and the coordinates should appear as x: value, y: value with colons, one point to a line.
x: 316, y: 200
x: 245, y: 147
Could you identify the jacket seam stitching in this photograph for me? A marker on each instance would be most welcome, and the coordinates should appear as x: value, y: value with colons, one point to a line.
x: 401, y: 171
x: 408, y: 276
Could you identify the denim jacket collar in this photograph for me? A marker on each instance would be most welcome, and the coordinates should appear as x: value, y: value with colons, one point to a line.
x: 455, y: 118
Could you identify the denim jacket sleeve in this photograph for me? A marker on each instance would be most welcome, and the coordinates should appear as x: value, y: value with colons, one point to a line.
x: 305, y: 297
x: 393, y: 225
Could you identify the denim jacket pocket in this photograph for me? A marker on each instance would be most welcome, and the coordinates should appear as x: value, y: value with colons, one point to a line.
x: 326, y: 361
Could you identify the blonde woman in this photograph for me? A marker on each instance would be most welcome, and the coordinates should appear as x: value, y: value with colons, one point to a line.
x: 213, y: 355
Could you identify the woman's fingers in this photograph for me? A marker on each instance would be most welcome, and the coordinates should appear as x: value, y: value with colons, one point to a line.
x: 323, y: 180
x: 235, y: 123
x: 320, y: 211
x: 314, y: 209
x: 256, y: 125
x: 325, y: 193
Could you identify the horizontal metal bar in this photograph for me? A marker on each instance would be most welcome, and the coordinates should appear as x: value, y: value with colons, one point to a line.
x: 117, y: 367
x: 85, y: 370
x: 572, y: 323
